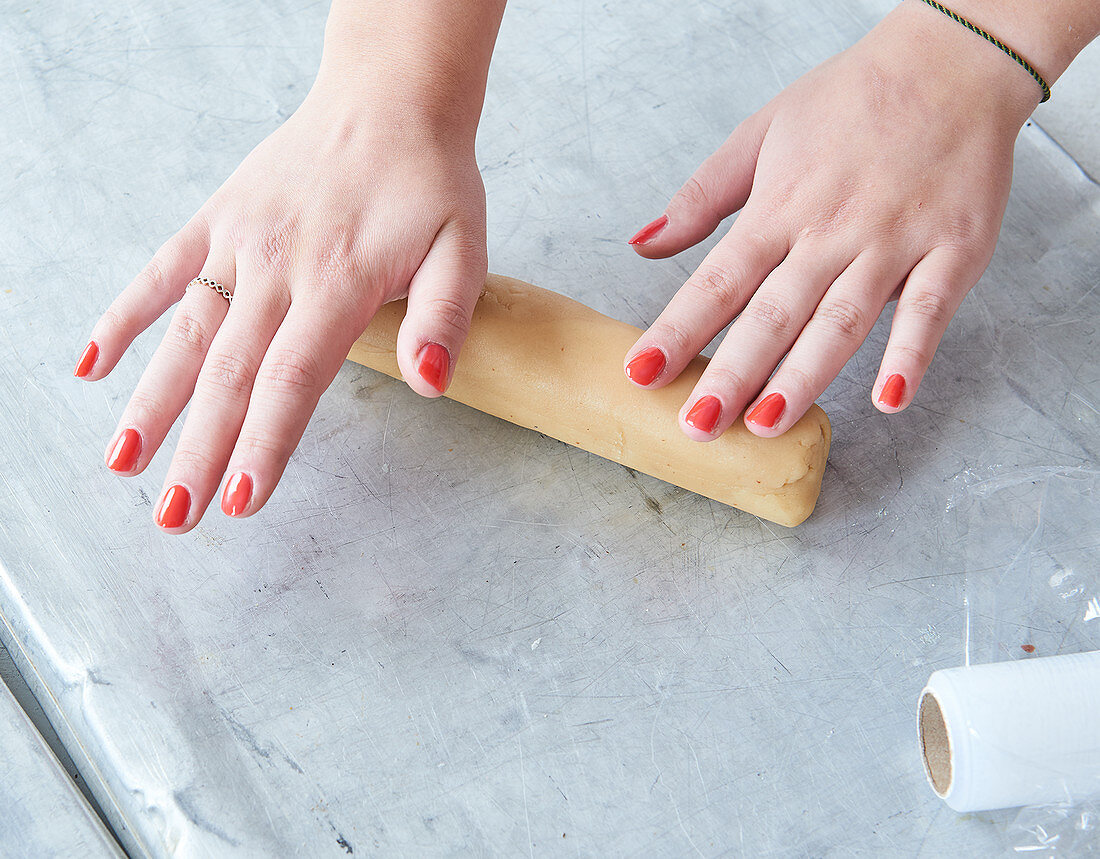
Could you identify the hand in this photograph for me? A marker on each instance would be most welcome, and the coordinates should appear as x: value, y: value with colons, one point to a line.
x: 340, y: 210
x: 884, y: 171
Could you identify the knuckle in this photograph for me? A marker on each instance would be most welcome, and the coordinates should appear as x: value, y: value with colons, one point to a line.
x: 269, y: 255
x: 674, y: 337
x: 693, y: 196
x: 144, y: 408
x: 191, y: 460
x: 227, y: 372
x: 334, y: 265
x: 769, y: 313
x: 449, y: 315
x: 270, y: 248
x: 335, y: 256
x: 188, y: 332
x: 962, y: 228
x: 782, y: 195
x: 723, y: 378
x: 469, y: 246
x: 113, y: 321
x: 918, y: 355
x: 717, y: 283
x: 257, y: 449
x: 931, y: 307
x: 843, y: 317
x: 798, y: 379
x: 291, y: 369
x: 154, y: 276
x: 834, y: 220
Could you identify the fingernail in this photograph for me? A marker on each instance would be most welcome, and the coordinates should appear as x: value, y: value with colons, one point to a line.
x: 646, y: 366
x: 124, y: 455
x: 892, y: 392
x: 704, y: 414
x: 237, y: 494
x: 174, y: 506
x: 767, y: 412
x: 87, y: 360
x: 432, y: 364
x: 649, y: 231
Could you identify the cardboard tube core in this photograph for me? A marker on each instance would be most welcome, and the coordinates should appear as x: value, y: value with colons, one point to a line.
x: 935, y: 744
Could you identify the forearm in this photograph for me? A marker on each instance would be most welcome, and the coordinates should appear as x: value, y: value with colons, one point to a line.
x: 429, y: 58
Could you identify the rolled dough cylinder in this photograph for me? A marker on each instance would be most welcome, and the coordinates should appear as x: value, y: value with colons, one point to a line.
x: 548, y: 363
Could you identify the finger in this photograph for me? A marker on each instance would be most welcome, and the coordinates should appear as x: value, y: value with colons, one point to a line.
x: 932, y: 293
x: 169, y: 379
x: 716, y: 292
x: 302, y: 360
x: 716, y: 190
x: 838, y: 327
x: 758, y: 339
x: 220, y: 402
x: 442, y: 296
x: 159, y: 285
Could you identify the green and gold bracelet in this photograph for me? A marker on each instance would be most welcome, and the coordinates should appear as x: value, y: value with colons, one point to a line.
x: 993, y: 40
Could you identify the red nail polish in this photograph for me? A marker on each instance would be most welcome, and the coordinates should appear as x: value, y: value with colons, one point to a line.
x: 704, y: 414
x: 124, y: 455
x: 646, y: 366
x: 892, y: 392
x: 87, y: 360
x: 432, y: 364
x: 649, y: 231
x: 237, y: 494
x: 768, y: 411
x: 174, y: 506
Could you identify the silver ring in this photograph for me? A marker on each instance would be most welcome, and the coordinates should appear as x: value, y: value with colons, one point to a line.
x: 214, y: 285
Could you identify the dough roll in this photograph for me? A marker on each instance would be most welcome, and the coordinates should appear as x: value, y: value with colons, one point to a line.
x: 548, y: 363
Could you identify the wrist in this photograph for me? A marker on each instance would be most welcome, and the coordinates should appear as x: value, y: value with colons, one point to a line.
x: 385, y: 99
x: 422, y: 62
x: 364, y: 127
x: 1048, y: 34
x: 955, y: 67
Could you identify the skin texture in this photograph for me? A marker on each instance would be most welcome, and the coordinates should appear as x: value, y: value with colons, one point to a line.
x: 883, y: 173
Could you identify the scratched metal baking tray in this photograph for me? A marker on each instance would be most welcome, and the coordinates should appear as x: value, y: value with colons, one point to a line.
x: 43, y: 811
x: 445, y: 634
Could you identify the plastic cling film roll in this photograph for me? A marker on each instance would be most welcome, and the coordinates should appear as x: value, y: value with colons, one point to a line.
x: 1013, y: 733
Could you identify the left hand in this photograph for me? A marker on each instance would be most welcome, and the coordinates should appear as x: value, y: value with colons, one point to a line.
x: 883, y: 172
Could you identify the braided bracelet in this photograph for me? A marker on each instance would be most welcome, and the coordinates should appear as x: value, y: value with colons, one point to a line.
x: 993, y: 40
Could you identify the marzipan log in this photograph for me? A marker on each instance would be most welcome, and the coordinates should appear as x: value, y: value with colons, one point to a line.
x: 546, y: 362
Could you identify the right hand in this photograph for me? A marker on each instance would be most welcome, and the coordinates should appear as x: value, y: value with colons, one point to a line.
x: 340, y: 210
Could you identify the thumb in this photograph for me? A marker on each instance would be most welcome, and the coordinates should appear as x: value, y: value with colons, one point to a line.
x: 716, y: 190
x: 442, y: 295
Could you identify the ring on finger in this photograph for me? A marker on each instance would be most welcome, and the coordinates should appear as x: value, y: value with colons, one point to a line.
x: 214, y: 285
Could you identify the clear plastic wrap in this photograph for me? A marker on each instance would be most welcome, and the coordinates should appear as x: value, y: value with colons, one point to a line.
x: 1031, y: 590
x: 1058, y: 829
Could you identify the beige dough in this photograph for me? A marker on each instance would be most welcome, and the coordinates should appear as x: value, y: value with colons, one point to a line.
x: 546, y: 362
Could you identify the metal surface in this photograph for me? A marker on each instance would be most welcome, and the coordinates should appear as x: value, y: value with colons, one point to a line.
x: 1071, y: 116
x: 24, y: 698
x: 445, y: 634
x: 43, y: 813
